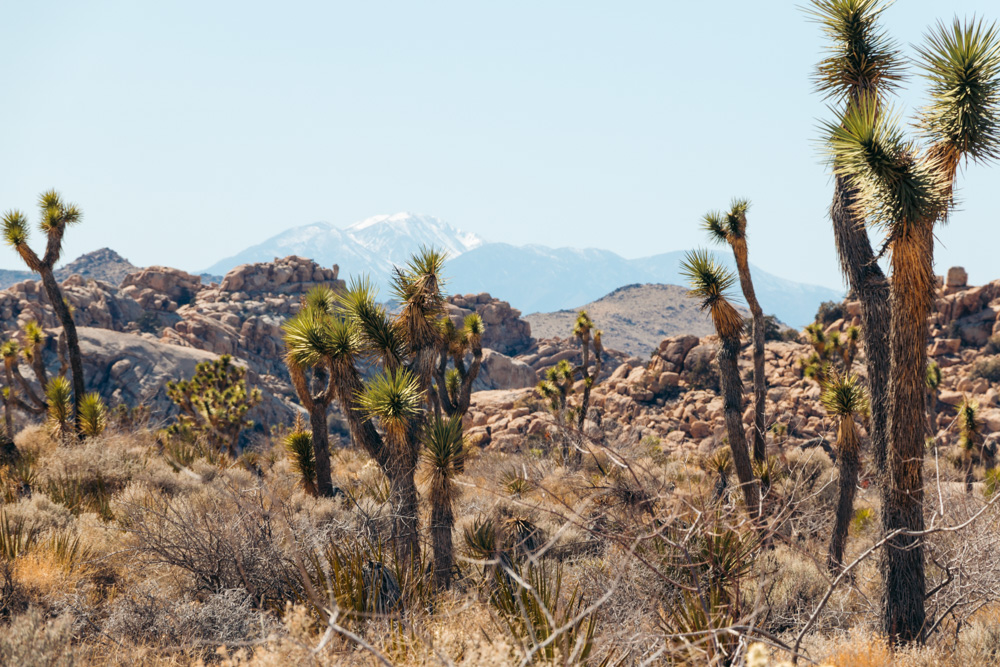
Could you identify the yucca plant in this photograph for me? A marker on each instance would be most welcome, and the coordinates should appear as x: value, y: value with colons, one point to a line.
x: 93, y: 415
x: 444, y: 457
x: 933, y: 382
x: 59, y: 396
x: 846, y: 401
x: 56, y: 216
x: 588, y: 337
x: 720, y: 463
x: 710, y: 283
x: 556, y: 387
x: 299, y: 446
x: 970, y: 440
x: 545, y: 622
x: 905, y: 189
x: 16, y: 536
x: 731, y: 228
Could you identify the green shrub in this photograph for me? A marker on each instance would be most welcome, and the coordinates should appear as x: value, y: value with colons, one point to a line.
x: 988, y: 369
x: 829, y: 312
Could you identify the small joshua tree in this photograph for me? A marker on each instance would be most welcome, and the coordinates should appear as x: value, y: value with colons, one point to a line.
x: 299, y: 445
x: 214, y: 403
x: 444, y: 455
x: 933, y: 387
x: 731, y: 228
x: 970, y: 440
x: 845, y: 400
x: 710, y: 283
x: 56, y: 216
x: 454, y: 385
x: 559, y: 379
x: 314, y: 338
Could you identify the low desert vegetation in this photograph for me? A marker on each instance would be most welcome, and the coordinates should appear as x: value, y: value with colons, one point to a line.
x: 124, y: 541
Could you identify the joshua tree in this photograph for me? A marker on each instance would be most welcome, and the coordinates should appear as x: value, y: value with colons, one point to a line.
x: 731, y: 228
x: 970, y: 440
x: 845, y: 400
x: 444, y: 455
x: 588, y: 337
x: 56, y: 216
x: 386, y: 413
x: 314, y: 338
x: 933, y: 386
x: 214, y: 402
x: 710, y: 283
x: 862, y: 63
x: 454, y: 385
x: 905, y: 191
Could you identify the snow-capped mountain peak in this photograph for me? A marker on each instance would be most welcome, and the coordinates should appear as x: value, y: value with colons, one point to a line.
x: 373, y: 245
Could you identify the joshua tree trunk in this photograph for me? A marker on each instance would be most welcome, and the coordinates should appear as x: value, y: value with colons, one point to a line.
x: 403, y: 498
x: 759, y: 379
x: 321, y: 449
x: 442, y: 522
x: 903, y: 491
x: 732, y: 393
x: 870, y: 287
x: 72, y: 340
x: 849, y: 462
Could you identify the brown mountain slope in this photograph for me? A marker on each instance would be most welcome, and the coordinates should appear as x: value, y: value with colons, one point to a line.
x: 634, y: 318
x: 104, y: 264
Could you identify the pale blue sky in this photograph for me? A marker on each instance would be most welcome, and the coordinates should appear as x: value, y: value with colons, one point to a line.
x: 188, y: 130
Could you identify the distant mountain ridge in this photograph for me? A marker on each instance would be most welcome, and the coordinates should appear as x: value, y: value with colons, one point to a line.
x: 533, y: 278
x: 536, y: 278
x: 371, y: 246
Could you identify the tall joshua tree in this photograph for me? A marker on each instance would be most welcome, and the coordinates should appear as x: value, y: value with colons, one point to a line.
x: 845, y: 400
x: 906, y: 190
x: 444, y: 455
x: 56, y: 216
x: 589, y: 338
x: 710, y: 283
x: 731, y: 228
x: 862, y: 63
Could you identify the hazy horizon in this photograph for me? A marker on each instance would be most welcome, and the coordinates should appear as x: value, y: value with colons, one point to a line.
x: 188, y: 132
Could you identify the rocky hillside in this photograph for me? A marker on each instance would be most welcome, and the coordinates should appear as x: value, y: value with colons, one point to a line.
x: 104, y: 264
x: 672, y: 399
x: 634, y: 318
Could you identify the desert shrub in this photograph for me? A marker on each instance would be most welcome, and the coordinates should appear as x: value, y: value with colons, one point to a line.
x: 148, y: 322
x: 992, y: 345
x: 223, y: 537
x: 704, y: 374
x: 31, y: 640
x: 988, y: 369
x: 149, y: 615
x: 39, y: 511
x: 829, y: 312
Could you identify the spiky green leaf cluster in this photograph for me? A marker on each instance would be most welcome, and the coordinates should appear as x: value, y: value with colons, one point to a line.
x: 444, y: 453
x: 860, y: 56
x: 93, y: 415
x: 933, y: 375
x: 299, y: 446
x: 15, y: 228
x: 59, y: 395
x: 393, y: 397
x: 845, y: 396
x: 895, y: 188
x: 707, y: 279
x: 962, y: 64
x: 377, y: 335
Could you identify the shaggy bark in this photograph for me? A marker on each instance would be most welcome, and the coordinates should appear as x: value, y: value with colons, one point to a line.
x: 849, y: 462
x: 903, y: 491
x: 732, y: 393
x: 72, y: 340
x: 757, y: 335
x: 871, y: 288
